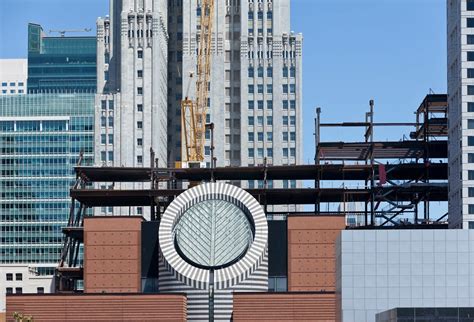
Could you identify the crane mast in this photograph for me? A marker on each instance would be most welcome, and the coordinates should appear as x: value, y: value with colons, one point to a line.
x: 193, y: 113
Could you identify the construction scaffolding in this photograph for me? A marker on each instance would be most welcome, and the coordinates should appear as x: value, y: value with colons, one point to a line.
x: 427, y: 144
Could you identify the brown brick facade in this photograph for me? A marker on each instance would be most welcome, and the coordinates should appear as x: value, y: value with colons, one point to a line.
x: 311, y: 252
x: 284, y: 307
x: 112, y: 254
x: 98, y: 307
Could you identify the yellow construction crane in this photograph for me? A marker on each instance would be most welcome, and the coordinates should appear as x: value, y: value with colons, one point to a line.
x: 193, y: 113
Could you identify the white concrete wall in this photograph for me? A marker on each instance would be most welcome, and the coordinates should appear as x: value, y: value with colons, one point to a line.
x: 384, y: 269
x: 234, y: 50
x: 142, y: 26
x: 13, y: 74
x: 134, y: 26
x: 458, y: 100
x: 29, y: 284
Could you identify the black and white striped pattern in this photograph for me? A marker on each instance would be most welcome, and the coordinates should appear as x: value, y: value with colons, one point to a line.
x: 198, y: 299
x: 226, y: 278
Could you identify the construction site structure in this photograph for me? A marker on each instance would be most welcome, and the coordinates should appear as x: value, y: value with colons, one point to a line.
x: 427, y: 144
x: 194, y: 112
x: 391, y: 193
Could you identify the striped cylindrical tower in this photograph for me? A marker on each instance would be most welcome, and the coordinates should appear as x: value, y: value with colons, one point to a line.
x: 213, y: 242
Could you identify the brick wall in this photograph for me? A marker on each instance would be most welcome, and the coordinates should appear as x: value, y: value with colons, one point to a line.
x: 284, y: 307
x: 112, y: 254
x: 98, y: 307
x: 311, y: 252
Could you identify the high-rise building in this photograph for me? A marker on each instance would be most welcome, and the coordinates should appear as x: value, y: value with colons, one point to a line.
x: 255, y: 98
x: 42, y: 135
x: 41, y: 138
x: 13, y: 73
x: 255, y: 89
x: 60, y: 63
x: 131, y: 83
x: 460, y: 37
x: 131, y: 88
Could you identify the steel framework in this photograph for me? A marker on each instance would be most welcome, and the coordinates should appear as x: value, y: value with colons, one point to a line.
x: 427, y: 143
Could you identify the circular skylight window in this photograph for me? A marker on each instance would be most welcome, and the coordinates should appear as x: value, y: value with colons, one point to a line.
x: 213, y: 234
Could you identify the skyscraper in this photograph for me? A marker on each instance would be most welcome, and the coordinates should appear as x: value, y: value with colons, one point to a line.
x: 41, y: 138
x: 461, y: 112
x: 131, y: 83
x: 60, y: 63
x: 131, y: 88
x: 255, y: 89
x: 42, y: 135
x: 255, y: 99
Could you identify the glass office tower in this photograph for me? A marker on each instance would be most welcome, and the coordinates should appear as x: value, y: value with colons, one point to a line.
x: 60, y: 63
x: 41, y: 137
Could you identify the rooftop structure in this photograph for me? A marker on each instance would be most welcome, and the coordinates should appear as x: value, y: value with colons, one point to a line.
x: 402, y: 186
x: 57, y: 64
x: 427, y: 145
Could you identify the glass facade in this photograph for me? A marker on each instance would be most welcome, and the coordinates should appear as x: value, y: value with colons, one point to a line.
x: 60, y: 63
x: 427, y: 314
x: 41, y: 137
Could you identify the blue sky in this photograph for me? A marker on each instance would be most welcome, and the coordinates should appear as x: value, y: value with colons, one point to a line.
x: 393, y: 51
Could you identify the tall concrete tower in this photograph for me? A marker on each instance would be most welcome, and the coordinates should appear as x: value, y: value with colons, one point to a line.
x: 460, y: 17
x: 130, y: 111
x: 132, y: 55
x: 256, y: 81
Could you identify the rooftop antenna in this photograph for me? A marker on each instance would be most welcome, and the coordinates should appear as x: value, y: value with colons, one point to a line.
x: 63, y: 32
